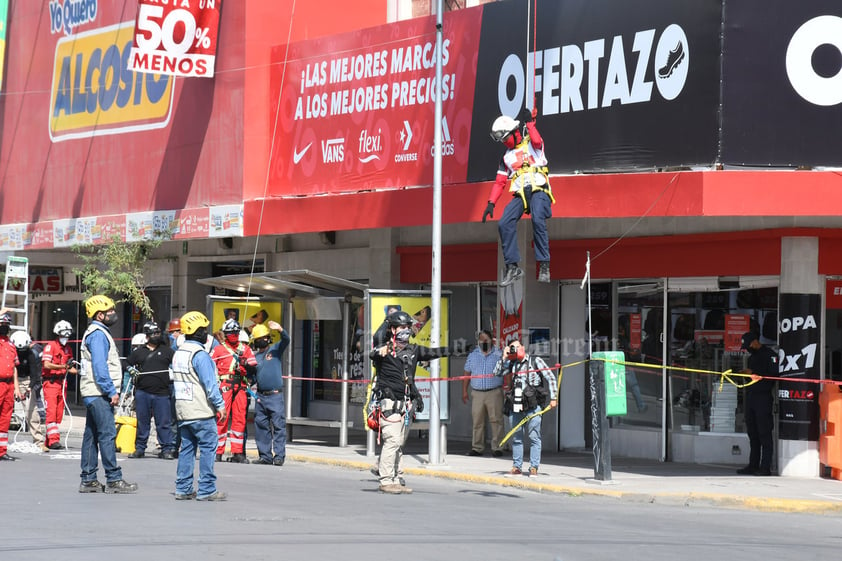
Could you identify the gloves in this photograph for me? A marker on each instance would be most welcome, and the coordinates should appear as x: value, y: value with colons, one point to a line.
x: 525, y: 115
x: 489, y: 211
x: 418, y: 404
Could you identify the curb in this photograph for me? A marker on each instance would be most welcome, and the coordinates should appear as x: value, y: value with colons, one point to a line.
x: 764, y: 504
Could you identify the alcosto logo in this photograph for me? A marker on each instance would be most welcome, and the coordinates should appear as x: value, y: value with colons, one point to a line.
x: 809, y: 84
x: 571, y: 75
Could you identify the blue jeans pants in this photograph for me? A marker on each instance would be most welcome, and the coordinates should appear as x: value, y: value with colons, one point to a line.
x: 541, y: 209
x: 148, y: 405
x: 100, y: 432
x: 195, y: 435
x: 533, y: 431
x: 270, y: 426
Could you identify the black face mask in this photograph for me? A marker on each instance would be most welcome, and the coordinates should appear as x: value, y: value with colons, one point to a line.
x: 261, y: 343
x: 156, y: 339
x: 485, y: 346
x: 4, y: 330
x: 200, y: 335
x: 110, y: 319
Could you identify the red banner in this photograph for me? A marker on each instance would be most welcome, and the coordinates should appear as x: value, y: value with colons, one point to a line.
x: 175, y: 38
x: 357, y: 110
x: 735, y: 326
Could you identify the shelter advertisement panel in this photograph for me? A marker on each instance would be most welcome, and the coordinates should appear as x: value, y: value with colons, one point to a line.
x: 798, y: 358
x: 420, y: 308
x: 247, y: 313
x: 782, y: 83
x: 178, y: 38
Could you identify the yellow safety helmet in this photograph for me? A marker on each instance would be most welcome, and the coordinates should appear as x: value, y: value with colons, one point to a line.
x: 98, y: 303
x: 259, y: 331
x: 192, y: 321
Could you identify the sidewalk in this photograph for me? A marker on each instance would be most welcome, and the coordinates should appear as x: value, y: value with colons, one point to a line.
x: 568, y: 472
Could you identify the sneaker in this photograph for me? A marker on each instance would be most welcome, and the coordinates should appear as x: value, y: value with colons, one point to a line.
x: 375, y: 470
x: 533, y: 471
x: 45, y: 448
x: 137, y: 454
x: 748, y: 470
x: 513, y: 273
x: 185, y: 496
x: 406, y: 490
x: 219, y: 457
x: 121, y: 487
x: 278, y: 461
x: 216, y: 496
x: 544, y: 272
x: 392, y: 489
x: 168, y: 455
x: 262, y: 462
x: 515, y: 471
x: 673, y: 60
x: 91, y: 487
x: 474, y: 453
x: 56, y: 446
x: 7, y: 458
x: 497, y: 453
x: 238, y: 459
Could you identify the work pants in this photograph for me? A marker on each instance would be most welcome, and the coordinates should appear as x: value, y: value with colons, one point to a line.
x: 270, y: 426
x: 235, y: 403
x: 486, y: 404
x: 53, y: 391
x: 7, y: 407
x: 759, y: 428
x: 394, y: 430
x: 146, y: 406
x: 100, y: 432
x: 196, y: 435
x: 541, y: 208
x: 34, y: 412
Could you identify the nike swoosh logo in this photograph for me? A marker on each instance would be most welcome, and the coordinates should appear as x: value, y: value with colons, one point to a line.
x: 296, y: 155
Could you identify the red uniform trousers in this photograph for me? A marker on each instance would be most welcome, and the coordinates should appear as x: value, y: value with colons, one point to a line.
x: 7, y: 407
x: 237, y: 413
x: 54, y: 403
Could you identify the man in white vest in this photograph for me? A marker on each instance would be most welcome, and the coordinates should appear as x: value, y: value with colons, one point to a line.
x: 198, y: 404
x: 99, y: 384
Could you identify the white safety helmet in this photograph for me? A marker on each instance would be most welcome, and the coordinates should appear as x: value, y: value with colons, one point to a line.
x: 63, y: 329
x: 21, y: 340
x: 502, y: 127
x: 244, y: 336
x: 139, y: 340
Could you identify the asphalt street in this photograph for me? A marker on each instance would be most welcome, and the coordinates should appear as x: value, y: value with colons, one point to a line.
x: 312, y: 511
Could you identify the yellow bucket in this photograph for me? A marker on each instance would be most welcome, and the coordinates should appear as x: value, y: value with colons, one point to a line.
x: 126, y: 433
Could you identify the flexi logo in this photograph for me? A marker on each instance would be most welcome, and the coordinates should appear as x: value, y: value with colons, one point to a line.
x: 568, y: 77
x: 809, y: 84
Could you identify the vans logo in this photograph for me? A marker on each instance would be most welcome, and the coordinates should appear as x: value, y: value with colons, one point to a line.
x: 333, y: 150
x: 575, y: 71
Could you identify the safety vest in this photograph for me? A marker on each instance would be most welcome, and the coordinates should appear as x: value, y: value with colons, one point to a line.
x: 527, y: 167
x: 87, y: 383
x: 191, y: 398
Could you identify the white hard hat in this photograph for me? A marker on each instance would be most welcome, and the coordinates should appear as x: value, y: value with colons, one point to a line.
x: 244, y: 336
x: 63, y: 328
x: 502, y: 127
x: 21, y: 340
x: 139, y: 340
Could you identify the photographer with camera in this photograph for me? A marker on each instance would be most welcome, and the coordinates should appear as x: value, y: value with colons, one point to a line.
x: 527, y: 384
x: 395, y: 360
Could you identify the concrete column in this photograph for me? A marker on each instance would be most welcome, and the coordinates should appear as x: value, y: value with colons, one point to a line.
x: 572, y: 348
x: 799, y: 276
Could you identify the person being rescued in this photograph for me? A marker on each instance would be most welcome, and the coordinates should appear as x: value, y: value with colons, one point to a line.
x: 235, y: 362
x: 523, y: 168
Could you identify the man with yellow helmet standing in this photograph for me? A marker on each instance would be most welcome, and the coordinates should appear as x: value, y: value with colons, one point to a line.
x: 99, y: 384
x: 270, y: 411
x: 198, y: 403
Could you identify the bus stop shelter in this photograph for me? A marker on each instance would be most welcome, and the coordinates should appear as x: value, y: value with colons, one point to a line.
x: 306, y: 295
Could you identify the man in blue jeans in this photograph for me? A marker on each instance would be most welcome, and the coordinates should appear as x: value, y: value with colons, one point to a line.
x: 528, y: 384
x: 270, y: 426
x: 99, y: 379
x: 198, y: 403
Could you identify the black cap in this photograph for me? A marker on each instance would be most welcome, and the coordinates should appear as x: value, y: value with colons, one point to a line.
x: 748, y: 338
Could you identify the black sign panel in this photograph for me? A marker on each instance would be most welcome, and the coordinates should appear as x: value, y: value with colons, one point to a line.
x: 782, y: 83
x: 798, y: 357
x: 620, y: 85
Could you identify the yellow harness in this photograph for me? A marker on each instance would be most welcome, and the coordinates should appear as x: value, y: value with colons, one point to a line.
x: 530, y: 169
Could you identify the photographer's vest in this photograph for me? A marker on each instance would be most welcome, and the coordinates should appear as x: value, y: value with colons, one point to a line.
x: 191, y: 398
x: 87, y: 382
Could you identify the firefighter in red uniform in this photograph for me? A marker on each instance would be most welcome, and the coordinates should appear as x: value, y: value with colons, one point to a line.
x: 57, y: 363
x: 234, y: 362
x: 9, y: 387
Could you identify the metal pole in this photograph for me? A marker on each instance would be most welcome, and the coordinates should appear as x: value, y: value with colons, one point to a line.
x: 289, y: 322
x: 435, y: 328
x: 664, y: 380
x: 343, y: 415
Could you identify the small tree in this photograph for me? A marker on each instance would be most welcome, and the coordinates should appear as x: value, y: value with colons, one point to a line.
x: 116, y: 268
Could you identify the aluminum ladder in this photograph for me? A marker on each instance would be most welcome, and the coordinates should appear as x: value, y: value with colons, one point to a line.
x: 16, y: 292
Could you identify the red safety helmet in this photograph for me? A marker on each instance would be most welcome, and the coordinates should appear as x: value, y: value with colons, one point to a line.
x: 174, y: 325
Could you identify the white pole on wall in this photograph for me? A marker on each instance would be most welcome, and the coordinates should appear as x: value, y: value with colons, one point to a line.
x: 435, y: 328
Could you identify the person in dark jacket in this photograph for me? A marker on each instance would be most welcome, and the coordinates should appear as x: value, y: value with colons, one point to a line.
x: 29, y: 378
x: 395, y: 360
x: 758, y: 405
